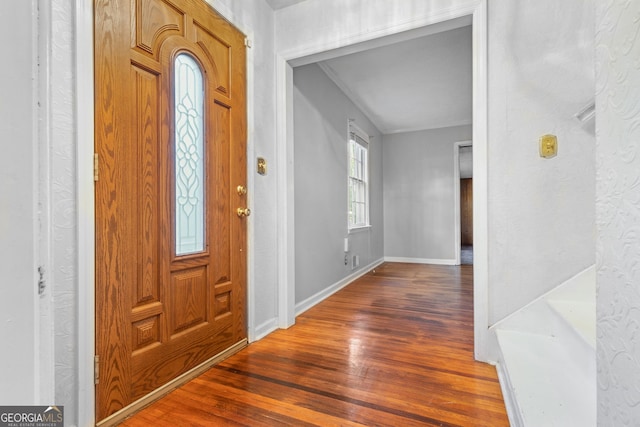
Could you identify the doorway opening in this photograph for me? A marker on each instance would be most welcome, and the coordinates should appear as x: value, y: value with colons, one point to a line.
x: 315, y: 51
x: 463, y: 202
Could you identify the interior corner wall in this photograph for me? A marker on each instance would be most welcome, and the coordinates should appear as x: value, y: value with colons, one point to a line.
x: 541, y: 211
x: 321, y: 114
x: 418, y: 171
x: 617, y: 46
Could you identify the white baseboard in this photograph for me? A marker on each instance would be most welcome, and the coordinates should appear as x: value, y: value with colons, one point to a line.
x: 421, y: 260
x: 510, y: 402
x: 265, y: 329
x: 305, y: 305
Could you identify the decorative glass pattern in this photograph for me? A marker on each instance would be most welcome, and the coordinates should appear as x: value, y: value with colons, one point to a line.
x: 189, y: 155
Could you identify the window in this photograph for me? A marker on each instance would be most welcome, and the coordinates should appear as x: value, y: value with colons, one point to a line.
x: 358, y: 177
x: 189, y: 156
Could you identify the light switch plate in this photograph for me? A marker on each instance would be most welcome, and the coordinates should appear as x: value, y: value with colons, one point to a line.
x: 548, y: 146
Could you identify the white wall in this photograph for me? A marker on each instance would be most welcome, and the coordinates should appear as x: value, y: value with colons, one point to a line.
x: 541, y: 212
x: 466, y: 162
x: 256, y: 19
x: 321, y: 114
x: 19, y: 359
x: 618, y: 212
x: 419, y: 194
x: 329, y: 22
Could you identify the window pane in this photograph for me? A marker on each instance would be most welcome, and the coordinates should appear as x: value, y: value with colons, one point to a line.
x: 357, y: 187
x: 189, y: 156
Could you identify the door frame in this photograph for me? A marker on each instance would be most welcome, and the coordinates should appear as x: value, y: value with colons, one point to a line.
x: 85, y: 143
x: 456, y: 197
x: 316, y: 50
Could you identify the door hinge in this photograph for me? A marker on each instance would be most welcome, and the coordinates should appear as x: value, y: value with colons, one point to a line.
x: 41, y: 281
x: 247, y: 43
x: 96, y: 369
x: 96, y: 168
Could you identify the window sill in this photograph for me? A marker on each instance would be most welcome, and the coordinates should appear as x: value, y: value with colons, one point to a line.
x: 359, y: 229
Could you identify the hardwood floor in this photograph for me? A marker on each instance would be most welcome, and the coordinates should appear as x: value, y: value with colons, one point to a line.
x: 394, y: 348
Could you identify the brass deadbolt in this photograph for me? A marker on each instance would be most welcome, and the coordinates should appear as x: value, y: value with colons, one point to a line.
x: 243, y: 212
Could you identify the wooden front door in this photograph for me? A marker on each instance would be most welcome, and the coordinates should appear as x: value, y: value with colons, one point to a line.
x: 170, y: 241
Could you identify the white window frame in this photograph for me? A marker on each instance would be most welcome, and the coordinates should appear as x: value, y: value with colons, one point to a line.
x: 358, y: 139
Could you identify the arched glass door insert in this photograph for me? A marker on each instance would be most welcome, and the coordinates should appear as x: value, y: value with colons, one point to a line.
x: 189, y: 156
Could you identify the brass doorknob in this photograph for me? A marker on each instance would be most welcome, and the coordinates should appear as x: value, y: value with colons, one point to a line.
x: 242, y: 212
x: 241, y: 189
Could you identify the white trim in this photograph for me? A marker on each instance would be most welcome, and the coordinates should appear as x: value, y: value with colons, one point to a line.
x: 251, y: 179
x: 265, y: 328
x: 456, y: 197
x: 84, y: 118
x: 355, y: 132
x: 359, y: 229
x: 318, y: 50
x: 285, y: 193
x: 508, y: 395
x: 420, y: 260
x: 305, y: 305
x: 480, y: 184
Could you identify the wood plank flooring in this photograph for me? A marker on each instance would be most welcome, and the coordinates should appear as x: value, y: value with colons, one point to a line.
x: 394, y: 348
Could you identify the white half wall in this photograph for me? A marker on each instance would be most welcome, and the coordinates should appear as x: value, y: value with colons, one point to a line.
x: 618, y: 212
x: 419, y: 196
x: 321, y: 115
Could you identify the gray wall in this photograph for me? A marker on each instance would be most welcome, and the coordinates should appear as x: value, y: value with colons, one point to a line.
x: 419, y: 193
x: 466, y: 162
x: 618, y: 212
x: 321, y: 113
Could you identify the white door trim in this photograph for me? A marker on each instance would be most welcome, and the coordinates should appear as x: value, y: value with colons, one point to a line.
x: 456, y: 197
x: 284, y: 135
x: 85, y: 210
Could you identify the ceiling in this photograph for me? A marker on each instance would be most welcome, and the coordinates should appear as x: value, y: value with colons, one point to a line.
x: 416, y: 84
x: 279, y: 4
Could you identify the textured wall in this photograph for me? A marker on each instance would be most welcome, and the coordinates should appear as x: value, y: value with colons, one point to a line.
x: 18, y: 213
x: 618, y: 211
x: 541, y: 212
x: 321, y: 113
x: 63, y: 222
x: 419, y: 193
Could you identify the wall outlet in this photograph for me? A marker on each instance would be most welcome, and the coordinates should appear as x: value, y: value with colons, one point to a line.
x: 355, y: 262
